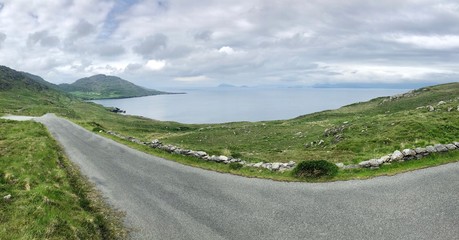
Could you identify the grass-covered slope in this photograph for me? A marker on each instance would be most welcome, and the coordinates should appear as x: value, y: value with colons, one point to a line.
x: 103, y: 86
x: 41, y: 194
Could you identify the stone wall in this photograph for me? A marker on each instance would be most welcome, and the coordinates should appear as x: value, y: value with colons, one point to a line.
x: 276, y: 166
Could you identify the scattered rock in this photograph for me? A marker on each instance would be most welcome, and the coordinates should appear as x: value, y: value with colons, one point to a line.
x: 340, y: 165
x: 257, y: 165
x: 7, y: 197
x: 430, y: 108
x: 408, y: 153
x: 441, y: 103
x: 450, y: 109
x: 321, y: 142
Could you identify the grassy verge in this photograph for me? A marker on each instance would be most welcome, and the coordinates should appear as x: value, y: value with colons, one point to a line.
x: 49, y: 199
x: 343, y: 175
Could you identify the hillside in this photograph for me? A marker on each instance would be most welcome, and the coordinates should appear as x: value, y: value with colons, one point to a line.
x: 103, y: 86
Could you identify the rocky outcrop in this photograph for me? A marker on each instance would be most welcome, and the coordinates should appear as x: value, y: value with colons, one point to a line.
x: 275, y: 166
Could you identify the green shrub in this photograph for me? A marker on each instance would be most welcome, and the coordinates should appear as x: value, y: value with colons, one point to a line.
x: 235, y: 166
x: 315, y: 169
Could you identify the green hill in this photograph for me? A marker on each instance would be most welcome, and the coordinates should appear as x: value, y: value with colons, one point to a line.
x: 103, y: 86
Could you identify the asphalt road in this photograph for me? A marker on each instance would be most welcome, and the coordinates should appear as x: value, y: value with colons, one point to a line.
x: 166, y: 200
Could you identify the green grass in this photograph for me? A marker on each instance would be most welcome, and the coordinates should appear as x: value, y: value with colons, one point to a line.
x: 49, y: 199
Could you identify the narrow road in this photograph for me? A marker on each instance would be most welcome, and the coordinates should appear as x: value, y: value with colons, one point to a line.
x: 166, y: 200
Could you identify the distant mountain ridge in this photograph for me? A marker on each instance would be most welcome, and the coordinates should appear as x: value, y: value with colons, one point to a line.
x: 104, y: 86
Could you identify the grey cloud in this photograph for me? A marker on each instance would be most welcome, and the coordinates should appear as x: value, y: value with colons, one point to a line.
x: 151, y: 44
x: 82, y: 29
x: 1, y: 6
x: 111, y: 50
x: 43, y: 38
x: 203, y: 36
x: 2, y: 38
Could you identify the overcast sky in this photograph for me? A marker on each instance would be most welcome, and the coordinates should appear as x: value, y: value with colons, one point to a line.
x: 175, y: 43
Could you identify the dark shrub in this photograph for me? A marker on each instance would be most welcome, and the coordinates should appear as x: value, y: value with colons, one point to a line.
x: 315, y: 169
x: 235, y: 166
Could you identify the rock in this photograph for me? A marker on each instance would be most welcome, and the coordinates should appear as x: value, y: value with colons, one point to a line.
x: 430, y: 108
x: 321, y: 142
x: 7, y: 197
x: 420, y: 150
x: 364, y: 164
x: 385, y: 159
x: 352, y: 166
x: 440, y: 103
x: 408, y: 153
x: 340, y: 165
x: 222, y: 158
x: 431, y: 149
x: 450, y: 109
x: 257, y: 165
x: 457, y: 144
x: 291, y: 163
x: 201, y: 153
x: 275, y: 166
x: 155, y: 141
x: 374, y: 162
x: 440, y: 148
x: 450, y: 146
x: 396, y: 156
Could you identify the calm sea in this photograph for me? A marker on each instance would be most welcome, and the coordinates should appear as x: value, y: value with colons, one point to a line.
x: 243, y: 104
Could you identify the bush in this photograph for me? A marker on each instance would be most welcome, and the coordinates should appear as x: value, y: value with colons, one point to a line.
x: 235, y: 166
x: 315, y: 169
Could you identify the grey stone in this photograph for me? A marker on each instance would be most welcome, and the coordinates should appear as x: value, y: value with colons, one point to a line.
x: 396, y: 156
x: 440, y: 103
x: 222, y: 158
x: 365, y: 164
x: 409, y: 152
x: 7, y: 197
x: 420, y: 150
x: 430, y: 108
x: 275, y: 166
x: 450, y: 109
x: 340, y: 165
x: 431, y: 149
x: 257, y: 165
x: 291, y: 163
x: 450, y: 146
x: 375, y: 163
x: 201, y: 153
x: 385, y: 159
x: 440, y: 148
x: 457, y: 144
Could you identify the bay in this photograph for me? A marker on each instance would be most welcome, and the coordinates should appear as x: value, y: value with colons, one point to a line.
x: 219, y: 105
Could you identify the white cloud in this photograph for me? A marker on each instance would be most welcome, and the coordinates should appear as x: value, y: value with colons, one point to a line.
x: 429, y: 41
x: 227, y: 50
x: 155, y: 65
x: 192, y: 79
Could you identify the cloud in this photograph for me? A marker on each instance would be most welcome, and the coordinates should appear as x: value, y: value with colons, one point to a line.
x: 235, y: 41
x: 155, y: 65
x: 2, y: 38
x: 428, y: 42
x: 192, y: 79
x: 151, y: 44
x: 43, y: 38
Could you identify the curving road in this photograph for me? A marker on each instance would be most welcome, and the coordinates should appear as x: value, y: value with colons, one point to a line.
x: 166, y: 200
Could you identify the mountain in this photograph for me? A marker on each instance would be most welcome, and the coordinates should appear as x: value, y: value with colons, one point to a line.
x: 11, y: 79
x: 103, y: 86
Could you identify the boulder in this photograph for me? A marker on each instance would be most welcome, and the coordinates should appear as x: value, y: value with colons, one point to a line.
x: 420, y: 150
x: 365, y: 164
x: 396, y: 156
x: 375, y: 162
x: 257, y: 165
x: 340, y: 164
x: 291, y: 163
x: 275, y: 166
x: 457, y: 144
x: 222, y: 158
x: 385, y: 159
x: 450, y: 146
x: 440, y: 148
x: 430, y: 108
x: 441, y: 103
x: 431, y: 149
x: 408, y: 152
x: 201, y: 153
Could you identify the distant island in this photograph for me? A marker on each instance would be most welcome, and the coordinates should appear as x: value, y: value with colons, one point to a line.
x: 106, y: 87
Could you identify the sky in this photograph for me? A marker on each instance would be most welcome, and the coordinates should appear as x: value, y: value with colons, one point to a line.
x: 182, y: 43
